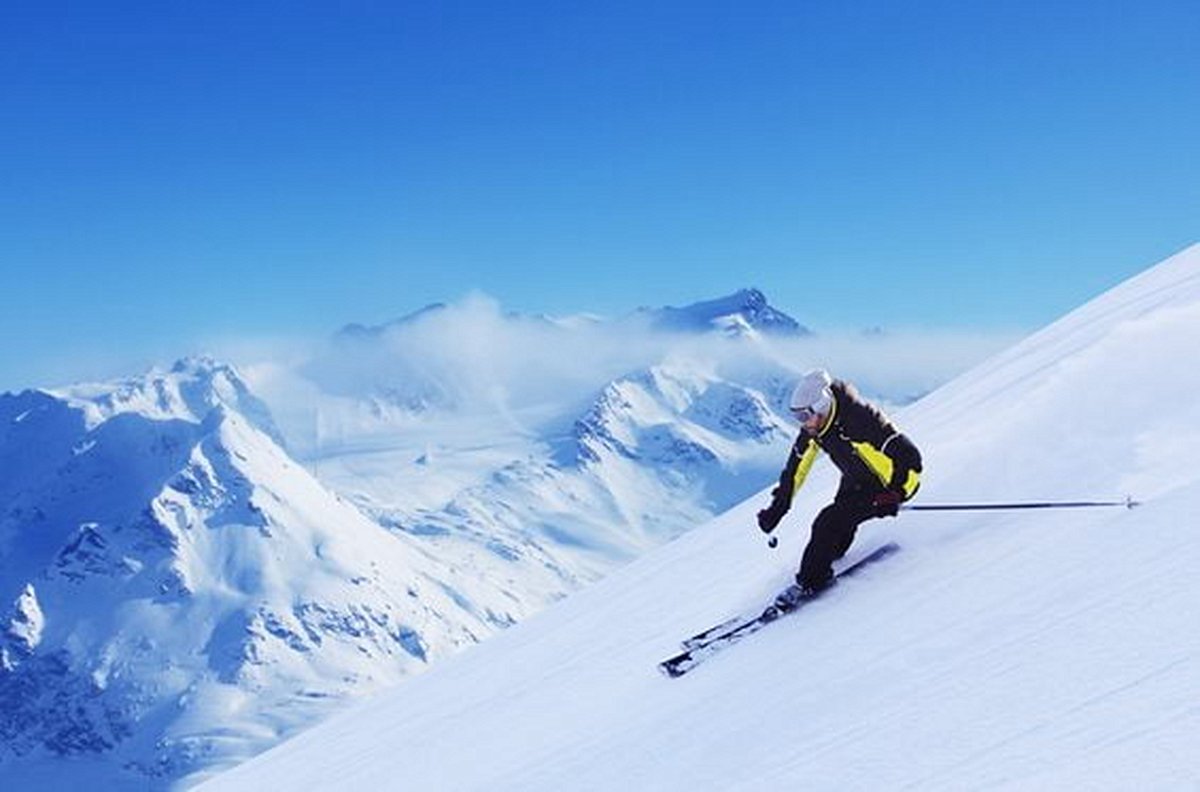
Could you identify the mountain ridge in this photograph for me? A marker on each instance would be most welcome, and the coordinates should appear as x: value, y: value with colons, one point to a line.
x: 1030, y: 650
x: 191, y: 559
x: 748, y: 308
x: 482, y: 502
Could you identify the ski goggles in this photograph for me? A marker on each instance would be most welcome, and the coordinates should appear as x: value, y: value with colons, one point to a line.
x: 805, y: 414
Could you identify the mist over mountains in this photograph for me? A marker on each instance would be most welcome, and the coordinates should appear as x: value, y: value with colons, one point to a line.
x: 1013, y: 649
x: 198, y: 561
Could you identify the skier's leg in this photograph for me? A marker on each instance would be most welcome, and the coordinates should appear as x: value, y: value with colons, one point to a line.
x: 832, y: 534
x: 842, y: 540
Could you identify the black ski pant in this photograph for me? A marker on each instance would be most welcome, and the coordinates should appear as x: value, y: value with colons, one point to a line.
x: 833, y: 532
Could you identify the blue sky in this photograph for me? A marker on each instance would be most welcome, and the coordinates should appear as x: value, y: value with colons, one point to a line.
x: 175, y: 173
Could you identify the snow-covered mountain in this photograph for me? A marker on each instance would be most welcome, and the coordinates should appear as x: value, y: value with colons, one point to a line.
x: 355, y: 333
x: 185, y: 577
x: 178, y: 591
x: 743, y: 312
x: 1031, y: 650
x: 571, y: 448
x: 446, y: 358
x: 609, y: 435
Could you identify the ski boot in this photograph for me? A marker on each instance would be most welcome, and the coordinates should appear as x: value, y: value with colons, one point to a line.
x: 791, y: 597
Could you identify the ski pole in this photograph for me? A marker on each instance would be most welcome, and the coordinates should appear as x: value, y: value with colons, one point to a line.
x: 1128, y: 503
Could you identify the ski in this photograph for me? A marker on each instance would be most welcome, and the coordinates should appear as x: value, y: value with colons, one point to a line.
x: 701, y: 638
x: 703, y: 645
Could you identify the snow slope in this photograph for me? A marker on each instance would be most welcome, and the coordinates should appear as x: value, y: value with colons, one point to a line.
x: 176, y: 592
x: 998, y: 649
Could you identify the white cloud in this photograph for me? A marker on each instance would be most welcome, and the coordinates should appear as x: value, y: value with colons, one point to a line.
x: 898, y: 365
x: 471, y: 359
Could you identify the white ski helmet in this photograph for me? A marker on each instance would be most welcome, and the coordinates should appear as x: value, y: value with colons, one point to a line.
x: 813, y: 391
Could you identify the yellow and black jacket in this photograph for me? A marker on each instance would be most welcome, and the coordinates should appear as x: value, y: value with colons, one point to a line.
x: 870, y: 452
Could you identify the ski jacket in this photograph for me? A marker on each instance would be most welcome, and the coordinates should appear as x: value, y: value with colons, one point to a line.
x: 866, y: 447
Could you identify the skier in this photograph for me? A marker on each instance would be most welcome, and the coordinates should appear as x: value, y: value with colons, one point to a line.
x: 880, y: 470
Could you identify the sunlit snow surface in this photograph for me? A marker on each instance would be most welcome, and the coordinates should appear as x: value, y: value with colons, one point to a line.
x: 1050, y: 650
x: 178, y: 592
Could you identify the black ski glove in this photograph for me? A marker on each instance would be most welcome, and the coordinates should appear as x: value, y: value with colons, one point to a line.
x: 768, y: 518
x: 887, y: 503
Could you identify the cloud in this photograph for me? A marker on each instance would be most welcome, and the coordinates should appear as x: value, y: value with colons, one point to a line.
x: 473, y: 360
x: 472, y: 355
x: 900, y: 365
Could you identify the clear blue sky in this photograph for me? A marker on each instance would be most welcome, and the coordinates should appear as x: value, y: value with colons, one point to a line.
x: 177, y: 171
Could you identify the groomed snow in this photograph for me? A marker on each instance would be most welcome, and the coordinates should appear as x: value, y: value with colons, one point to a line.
x: 1049, y: 650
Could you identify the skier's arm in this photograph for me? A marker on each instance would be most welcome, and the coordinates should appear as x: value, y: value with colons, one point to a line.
x: 906, y: 459
x: 800, y: 461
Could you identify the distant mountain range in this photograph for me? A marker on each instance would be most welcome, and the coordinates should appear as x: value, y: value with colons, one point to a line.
x: 178, y: 591
x: 998, y: 649
x: 742, y: 311
x: 746, y: 310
